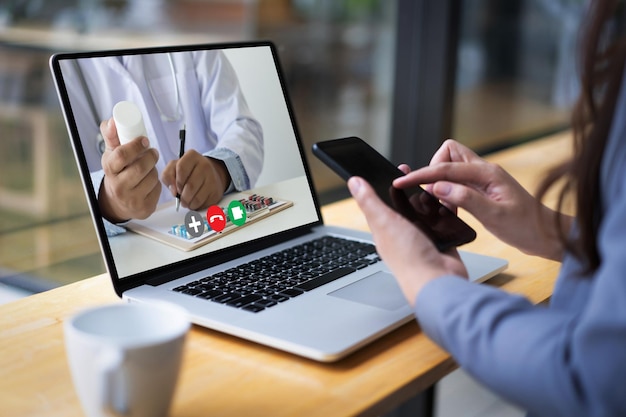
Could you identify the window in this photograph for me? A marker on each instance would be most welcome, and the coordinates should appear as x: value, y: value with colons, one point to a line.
x: 516, y: 71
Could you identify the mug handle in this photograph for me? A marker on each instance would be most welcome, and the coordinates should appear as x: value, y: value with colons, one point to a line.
x: 113, y: 386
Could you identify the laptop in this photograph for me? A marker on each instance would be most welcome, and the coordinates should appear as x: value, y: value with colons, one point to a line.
x: 265, y: 268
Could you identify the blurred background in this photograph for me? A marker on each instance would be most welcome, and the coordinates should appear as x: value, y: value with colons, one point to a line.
x: 402, y: 74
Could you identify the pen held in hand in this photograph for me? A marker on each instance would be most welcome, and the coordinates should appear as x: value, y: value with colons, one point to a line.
x: 181, y: 152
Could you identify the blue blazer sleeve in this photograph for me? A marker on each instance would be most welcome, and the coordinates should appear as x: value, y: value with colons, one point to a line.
x: 568, y: 359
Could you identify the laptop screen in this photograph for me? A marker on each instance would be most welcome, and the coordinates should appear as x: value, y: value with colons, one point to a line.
x: 241, y: 179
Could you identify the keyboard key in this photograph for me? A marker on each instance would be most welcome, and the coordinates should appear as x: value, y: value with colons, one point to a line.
x: 242, y: 301
x: 278, y: 298
x: 325, y: 279
x: 207, y: 295
x: 266, y: 302
x: 291, y: 292
x: 225, y: 298
x: 192, y: 291
x: 254, y: 308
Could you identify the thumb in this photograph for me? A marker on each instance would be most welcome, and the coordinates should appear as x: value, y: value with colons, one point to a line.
x: 369, y: 203
x: 109, y: 133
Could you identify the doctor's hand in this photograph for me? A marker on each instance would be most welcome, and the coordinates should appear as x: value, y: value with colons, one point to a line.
x: 131, y: 187
x: 199, y: 180
x: 410, y: 255
x: 460, y: 178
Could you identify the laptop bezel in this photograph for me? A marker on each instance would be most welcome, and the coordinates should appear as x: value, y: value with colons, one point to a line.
x: 181, y: 268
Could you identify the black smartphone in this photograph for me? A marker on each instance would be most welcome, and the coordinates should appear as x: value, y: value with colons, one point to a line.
x: 354, y: 157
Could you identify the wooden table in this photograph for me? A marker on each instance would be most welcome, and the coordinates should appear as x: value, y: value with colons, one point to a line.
x: 226, y: 376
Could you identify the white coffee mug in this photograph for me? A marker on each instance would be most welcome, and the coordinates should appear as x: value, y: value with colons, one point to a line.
x: 125, y: 358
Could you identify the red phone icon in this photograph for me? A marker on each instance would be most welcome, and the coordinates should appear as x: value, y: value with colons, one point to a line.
x: 216, y: 218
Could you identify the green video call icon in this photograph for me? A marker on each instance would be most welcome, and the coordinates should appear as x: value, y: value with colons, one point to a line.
x: 237, y: 213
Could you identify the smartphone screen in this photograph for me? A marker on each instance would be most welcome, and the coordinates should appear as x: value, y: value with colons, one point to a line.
x: 354, y: 157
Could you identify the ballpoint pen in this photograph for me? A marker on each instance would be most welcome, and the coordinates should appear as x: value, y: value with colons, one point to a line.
x: 181, y: 152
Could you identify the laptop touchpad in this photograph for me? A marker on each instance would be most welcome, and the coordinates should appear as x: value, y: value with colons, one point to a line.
x: 377, y: 290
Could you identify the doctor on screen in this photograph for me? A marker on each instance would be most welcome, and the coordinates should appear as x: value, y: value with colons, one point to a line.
x: 195, y: 91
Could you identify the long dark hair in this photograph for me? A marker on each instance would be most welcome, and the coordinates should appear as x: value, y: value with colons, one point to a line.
x: 602, y: 55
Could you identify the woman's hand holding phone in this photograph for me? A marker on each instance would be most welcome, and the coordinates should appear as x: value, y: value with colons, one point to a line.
x: 409, y: 253
x: 460, y: 178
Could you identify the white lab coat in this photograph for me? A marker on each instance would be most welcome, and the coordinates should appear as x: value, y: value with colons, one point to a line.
x: 211, y: 106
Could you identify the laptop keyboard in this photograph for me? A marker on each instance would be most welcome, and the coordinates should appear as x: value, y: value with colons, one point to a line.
x: 277, y: 278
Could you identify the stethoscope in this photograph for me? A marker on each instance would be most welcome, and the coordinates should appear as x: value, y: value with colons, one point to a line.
x: 100, y: 143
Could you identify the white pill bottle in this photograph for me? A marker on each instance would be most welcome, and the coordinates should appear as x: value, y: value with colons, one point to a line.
x: 129, y: 121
